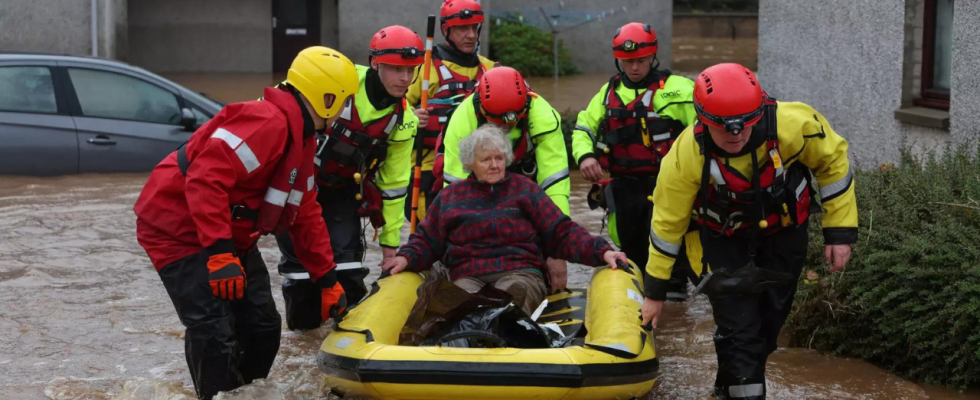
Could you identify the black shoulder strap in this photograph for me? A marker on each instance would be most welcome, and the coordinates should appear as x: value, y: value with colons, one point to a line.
x: 182, y: 161
x: 769, y: 113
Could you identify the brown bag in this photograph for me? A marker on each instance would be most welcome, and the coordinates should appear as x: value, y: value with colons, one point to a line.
x: 442, y: 303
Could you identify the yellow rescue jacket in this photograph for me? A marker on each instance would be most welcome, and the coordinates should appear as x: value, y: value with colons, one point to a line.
x: 805, y: 137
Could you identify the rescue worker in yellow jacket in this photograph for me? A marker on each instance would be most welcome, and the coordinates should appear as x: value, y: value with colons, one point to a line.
x: 627, y: 129
x: 362, y: 170
x: 745, y: 167
x: 456, y: 68
x: 534, y: 128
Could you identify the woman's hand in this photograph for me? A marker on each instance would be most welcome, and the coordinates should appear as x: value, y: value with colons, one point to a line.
x: 395, y: 265
x: 557, y: 274
x: 611, y: 257
x: 387, y: 253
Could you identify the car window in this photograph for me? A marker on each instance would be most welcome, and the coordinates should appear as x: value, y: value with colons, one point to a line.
x: 111, y: 95
x: 27, y: 89
x: 201, y: 117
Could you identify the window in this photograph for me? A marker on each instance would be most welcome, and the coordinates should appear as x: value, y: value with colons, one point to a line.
x: 27, y: 89
x: 200, y: 116
x: 937, y: 52
x: 110, y: 95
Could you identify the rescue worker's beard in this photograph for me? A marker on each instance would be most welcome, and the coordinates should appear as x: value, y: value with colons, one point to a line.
x: 376, y: 92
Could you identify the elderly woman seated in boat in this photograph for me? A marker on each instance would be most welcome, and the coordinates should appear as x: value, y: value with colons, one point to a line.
x: 497, y: 228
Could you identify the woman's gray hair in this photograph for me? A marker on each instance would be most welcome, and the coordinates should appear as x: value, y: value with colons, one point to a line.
x: 487, y: 137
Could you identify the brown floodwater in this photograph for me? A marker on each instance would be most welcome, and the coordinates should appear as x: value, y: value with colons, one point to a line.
x: 83, y: 314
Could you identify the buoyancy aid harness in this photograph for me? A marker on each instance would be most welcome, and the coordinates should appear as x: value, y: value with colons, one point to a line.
x: 633, y: 137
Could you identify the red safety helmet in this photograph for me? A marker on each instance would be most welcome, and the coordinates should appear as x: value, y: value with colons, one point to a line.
x: 503, y: 95
x: 634, y: 40
x: 396, y: 45
x: 457, y: 13
x: 728, y: 96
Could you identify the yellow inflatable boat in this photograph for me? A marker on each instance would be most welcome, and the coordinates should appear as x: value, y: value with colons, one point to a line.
x: 614, y: 359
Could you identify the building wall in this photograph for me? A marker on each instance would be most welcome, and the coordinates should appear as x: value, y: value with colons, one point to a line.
x: 723, y: 25
x: 359, y: 22
x: 55, y: 26
x: 591, y: 43
x: 329, y: 30
x: 201, y: 36
x: 64, y: 27
x: 854, y: 61
x: 965, y: 84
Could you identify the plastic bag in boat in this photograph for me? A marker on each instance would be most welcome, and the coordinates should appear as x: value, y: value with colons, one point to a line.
x: 441, y: 304
x: 493, y: 327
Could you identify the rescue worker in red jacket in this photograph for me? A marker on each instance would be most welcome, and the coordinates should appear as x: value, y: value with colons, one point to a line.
x: 245, y: 173
x: 456, y: 68
x: 627, y: 129
x: 746, y: 167
x: 363, y: 165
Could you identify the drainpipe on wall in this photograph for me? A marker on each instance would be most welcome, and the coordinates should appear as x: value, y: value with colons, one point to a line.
x: 95, y: 28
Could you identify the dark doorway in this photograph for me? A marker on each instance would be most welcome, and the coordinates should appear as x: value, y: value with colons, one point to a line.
x: 295, y: 26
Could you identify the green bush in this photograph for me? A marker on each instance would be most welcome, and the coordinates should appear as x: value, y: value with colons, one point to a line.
x: 909, y: 300
x: 528, y: 50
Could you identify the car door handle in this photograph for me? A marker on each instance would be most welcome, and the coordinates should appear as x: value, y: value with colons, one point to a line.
x: 102, y: 140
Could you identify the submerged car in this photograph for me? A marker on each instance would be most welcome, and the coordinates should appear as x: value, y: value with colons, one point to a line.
x: 67, y: 115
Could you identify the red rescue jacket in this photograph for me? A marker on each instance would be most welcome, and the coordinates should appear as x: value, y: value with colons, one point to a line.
x: 234, y: 169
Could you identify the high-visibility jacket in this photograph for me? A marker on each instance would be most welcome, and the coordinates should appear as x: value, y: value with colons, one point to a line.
x: 232, y: 161
x: 546, y: 139
x: 451, y: 79
x: 358, y: 124
x: 805, y: 137
x: 668, y: 107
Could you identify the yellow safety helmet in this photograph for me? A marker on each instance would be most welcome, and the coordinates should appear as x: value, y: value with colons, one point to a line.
x: 325, y: 77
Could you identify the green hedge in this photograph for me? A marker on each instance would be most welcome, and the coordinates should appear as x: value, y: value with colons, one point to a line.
x: 909, y: 300
x: 528, y: 50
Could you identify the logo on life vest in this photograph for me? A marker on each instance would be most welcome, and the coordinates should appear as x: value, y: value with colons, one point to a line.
x: 665, y: 95
x: 292, y: 176
x: 407, y: 125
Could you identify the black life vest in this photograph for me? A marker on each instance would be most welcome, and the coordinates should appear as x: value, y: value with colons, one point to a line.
x: 733, y: 204
x: 445, y: 100
x: 634, y: 138
x: 354, y: 146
